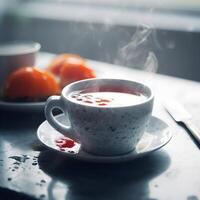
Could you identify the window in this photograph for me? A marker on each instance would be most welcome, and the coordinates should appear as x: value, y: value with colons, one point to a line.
x: 181, y: 5
x: 100, y: 29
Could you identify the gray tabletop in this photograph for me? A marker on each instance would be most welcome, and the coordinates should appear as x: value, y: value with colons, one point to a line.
x: 28, y: 170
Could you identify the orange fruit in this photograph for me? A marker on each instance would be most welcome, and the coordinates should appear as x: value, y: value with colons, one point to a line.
x: 57, y: 63
x: 70, y: 68
x: 74, y: 71
x: 30, y: 83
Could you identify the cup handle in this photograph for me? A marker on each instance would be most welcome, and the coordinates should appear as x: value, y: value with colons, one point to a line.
x: 56, y: 102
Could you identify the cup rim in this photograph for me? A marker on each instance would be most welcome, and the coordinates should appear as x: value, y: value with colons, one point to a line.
x: 30, y: 47
x: 148, y: 99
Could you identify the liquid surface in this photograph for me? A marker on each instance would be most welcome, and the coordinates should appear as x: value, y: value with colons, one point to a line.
x: 111, y: 99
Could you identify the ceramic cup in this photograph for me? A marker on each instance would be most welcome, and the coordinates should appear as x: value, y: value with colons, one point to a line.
x: 106, y: 131
x: 14, y: 55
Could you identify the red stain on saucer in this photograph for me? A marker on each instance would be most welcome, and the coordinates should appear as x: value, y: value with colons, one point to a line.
x: 102, y: 104
x: 64, y: 143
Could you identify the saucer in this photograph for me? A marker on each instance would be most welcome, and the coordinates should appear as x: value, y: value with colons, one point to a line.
x: 156, y: 136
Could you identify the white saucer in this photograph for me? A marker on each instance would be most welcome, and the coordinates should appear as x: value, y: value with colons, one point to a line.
x: 156, y: 136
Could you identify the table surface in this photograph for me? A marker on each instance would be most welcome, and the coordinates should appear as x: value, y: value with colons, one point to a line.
x: 29, y: 170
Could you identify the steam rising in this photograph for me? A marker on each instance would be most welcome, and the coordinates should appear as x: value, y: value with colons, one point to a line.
x: 137, y: 53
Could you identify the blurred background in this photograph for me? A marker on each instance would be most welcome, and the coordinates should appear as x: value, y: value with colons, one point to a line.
x: 161, y: 36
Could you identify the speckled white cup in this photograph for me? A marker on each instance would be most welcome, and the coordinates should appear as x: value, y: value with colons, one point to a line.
x: 106, y: 131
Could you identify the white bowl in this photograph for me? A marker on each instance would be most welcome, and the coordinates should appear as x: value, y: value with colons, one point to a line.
x: 14, y: 55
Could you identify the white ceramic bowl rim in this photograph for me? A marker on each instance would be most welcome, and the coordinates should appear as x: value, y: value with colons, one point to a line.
x: 24, y: 47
